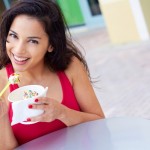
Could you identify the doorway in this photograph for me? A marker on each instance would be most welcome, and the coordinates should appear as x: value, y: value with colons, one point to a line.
x: 92, y: 13
x: 94, y: 7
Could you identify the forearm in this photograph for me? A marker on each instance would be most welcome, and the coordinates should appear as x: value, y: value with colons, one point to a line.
x: 7, y: 138
x: 72, y: 117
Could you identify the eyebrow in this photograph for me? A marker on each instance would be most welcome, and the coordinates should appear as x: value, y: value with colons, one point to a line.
x: 13, y: 31
x: 31, y: 37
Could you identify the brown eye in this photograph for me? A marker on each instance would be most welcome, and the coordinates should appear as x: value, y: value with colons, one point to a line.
x: 34, y: 41
x: 12, y: 35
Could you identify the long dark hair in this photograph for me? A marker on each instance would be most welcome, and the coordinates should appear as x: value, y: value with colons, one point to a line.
x: 49, y: 14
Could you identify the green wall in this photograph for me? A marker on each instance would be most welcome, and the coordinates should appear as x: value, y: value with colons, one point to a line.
x: 72, y: 12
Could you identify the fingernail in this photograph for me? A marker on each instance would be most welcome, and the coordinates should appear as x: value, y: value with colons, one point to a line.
x: 28, y: 119
x: 30, y: 106
x: 36, y: 100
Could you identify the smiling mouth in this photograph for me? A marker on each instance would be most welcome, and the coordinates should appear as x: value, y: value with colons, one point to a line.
x: 20, y: 59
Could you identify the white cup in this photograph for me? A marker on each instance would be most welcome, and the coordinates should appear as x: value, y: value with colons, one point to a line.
x: 20, y: 105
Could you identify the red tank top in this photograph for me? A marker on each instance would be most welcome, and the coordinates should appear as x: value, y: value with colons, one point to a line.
x: 26, y: 133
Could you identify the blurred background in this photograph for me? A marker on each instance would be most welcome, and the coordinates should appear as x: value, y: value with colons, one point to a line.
x: 114, y: 35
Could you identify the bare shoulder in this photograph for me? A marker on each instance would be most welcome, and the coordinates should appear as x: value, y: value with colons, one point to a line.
x: 75, y: 70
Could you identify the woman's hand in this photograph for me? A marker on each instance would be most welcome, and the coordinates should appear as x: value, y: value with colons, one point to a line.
x: 52, y: 109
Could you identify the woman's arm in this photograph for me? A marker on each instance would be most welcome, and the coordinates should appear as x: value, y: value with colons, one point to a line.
x: 85, y: 95
x: 7, y: 139
x: 71, y: 117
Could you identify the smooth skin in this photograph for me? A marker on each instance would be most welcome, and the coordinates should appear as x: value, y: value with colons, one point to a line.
x: 27, y: 43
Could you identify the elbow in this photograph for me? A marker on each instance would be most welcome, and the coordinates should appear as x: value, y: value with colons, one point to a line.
x: 9, y: 146
x: 12, y: 147
x: 15, y: 145
x: 101, y: 116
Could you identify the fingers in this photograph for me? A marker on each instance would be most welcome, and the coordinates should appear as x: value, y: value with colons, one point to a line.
x: 44, y: 100
x: 38, y: 106
x: 40, y: 118
x: 37, y: 118
x: 40, y: 103
x: 43, y: 104
x: 50, y: 107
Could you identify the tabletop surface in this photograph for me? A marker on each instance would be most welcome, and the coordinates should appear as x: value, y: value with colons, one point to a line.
x: 122, y: 133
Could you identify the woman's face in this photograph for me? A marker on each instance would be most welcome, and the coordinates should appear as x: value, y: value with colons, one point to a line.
x: 27, y: 43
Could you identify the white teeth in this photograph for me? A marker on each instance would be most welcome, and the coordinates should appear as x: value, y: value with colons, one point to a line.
x: 20, y: 58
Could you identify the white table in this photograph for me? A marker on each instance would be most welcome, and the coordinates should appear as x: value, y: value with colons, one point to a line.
x: 122, y: 133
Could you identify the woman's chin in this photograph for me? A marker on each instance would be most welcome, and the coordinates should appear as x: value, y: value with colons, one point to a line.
x: 18, y: 67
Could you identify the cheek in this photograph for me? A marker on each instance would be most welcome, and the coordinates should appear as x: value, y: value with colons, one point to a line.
x: 40, y: 51
x: 38, y: 54
x: 8, y: 47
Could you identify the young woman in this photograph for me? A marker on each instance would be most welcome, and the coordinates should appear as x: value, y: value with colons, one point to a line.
x: 34, y: 43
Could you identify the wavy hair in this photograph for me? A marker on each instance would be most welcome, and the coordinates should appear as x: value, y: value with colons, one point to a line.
x: 49, y: 14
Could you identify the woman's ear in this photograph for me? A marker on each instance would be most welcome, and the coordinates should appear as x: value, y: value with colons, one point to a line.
x: 50, y: 48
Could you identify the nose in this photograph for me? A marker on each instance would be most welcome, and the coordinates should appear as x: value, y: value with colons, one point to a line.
x: 19, y: 48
